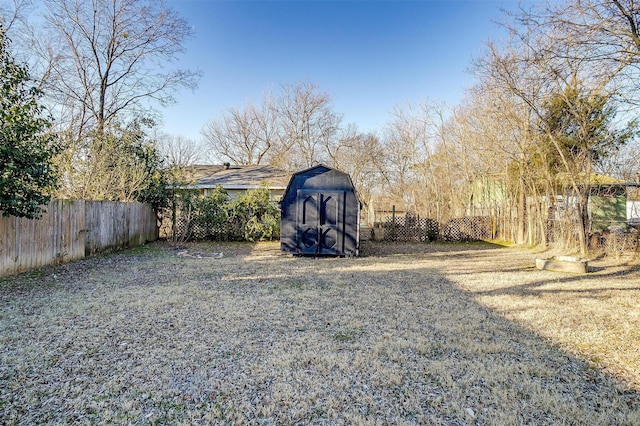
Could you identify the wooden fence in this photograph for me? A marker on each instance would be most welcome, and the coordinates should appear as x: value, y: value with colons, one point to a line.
x: 72, y: 230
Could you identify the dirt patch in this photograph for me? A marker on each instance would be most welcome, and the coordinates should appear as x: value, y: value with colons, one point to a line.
x: 405, y: 334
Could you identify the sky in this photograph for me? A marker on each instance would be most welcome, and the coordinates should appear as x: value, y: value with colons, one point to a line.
x: 368, y: 56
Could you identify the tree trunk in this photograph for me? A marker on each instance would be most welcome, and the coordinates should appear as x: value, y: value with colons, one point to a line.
x: 522, y: 211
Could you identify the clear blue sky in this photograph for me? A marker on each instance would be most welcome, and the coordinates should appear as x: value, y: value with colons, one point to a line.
x: 369, y: 56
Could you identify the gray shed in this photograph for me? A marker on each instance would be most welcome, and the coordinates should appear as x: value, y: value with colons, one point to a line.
x: 320, y: 213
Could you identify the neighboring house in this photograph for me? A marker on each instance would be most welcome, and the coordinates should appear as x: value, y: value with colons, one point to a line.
x: 486, y: 193
x: 237, y: 179
x: 633, y: 203
x: 607, y: 206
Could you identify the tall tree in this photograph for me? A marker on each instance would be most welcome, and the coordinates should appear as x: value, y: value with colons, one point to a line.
x: 361, y: 155
x: 308, y: 124
x: 104, y: 63
x: 111, y: 59
x: 13, y: 12
x: 408, y: 139
x: 291, y: 129
x: 122, y: 164
x: 26, y: 145
x: 580, y: 128
x: 567, y: 91
x: 515, y: 85
x: 243, y: 136
x: 178, y: 151
x: 602, y: 35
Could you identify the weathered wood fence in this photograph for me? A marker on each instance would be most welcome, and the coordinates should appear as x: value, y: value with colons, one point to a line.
x: 71, y: 230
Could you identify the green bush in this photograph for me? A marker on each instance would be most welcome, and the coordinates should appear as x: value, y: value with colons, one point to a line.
x: 211, y: 214
x: 251, y: 216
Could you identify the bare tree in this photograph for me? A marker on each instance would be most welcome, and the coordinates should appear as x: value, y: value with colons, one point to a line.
x: 291, y: 129
x: 361, y: 155
x: 308, y: 123
x: 567, y: 92
x: 14, y: 13
x: 525, y: 75
x: 243, y: 136
x: 104, y: 64
x: 177, y: 150
x: 106, y: 60
x: 123, y: 165
x: 602, y: 35
x: 623, y: 164
x: 508, y: 96
x: 408, y: 140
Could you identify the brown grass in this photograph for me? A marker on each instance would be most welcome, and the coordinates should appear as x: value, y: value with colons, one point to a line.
x: 405, y: 334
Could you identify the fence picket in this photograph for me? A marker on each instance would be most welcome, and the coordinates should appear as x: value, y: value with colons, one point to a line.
x: 71, y: 230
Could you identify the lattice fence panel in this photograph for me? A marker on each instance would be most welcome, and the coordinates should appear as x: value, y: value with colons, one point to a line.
x: 195, y: 231
x: 412, y: 228
x: 188, y: 229
x: 467, y: 229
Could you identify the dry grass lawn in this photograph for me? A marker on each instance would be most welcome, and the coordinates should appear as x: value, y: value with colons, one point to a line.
x: 465, y: 334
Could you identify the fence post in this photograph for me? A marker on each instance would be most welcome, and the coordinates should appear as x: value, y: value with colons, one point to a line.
x: 393, y: 222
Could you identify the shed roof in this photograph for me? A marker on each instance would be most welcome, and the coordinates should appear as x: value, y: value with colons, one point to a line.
x: 237, y: 177
x: 325, y: 169
x: 319, y: 169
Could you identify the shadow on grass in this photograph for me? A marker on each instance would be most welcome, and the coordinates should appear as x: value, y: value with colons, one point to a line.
x: 441, y: 354
x: 595, y: 276
x: 385, y: 248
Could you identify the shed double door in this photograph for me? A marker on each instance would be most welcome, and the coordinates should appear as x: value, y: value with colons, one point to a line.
x: 319, y: 222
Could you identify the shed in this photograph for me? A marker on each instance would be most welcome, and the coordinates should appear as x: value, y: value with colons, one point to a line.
x: 320, y: 213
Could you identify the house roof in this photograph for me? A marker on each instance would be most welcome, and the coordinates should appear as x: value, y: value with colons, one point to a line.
x: 236, y: 177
